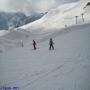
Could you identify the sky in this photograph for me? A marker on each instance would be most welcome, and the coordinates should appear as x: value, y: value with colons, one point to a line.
x: 31, y: 6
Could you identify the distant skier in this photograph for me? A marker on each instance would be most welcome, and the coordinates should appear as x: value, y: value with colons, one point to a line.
x: 34, y: 44
x: 51, y: 43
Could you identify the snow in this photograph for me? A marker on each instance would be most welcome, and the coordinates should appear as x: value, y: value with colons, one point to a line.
x: 54, y: 21
x: 65, y: 68
x: 61, y: 16
x: 3, y: 32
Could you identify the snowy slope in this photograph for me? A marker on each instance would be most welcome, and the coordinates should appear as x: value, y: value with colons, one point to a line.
x: 65, y: 68
x: 61, y: 16
x: 3, y: 32
x: 55, y: 20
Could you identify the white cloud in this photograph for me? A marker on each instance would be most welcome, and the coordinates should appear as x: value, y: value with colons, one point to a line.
x: 2, y: 4
x: 29, y: 6
x: 45, y: 5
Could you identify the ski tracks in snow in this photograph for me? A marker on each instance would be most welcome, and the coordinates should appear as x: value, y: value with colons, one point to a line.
x: 43, y: 75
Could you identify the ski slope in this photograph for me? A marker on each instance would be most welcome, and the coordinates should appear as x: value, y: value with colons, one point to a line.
x: 61, y: 16
x: 65, y: 68
x: 55, y: 20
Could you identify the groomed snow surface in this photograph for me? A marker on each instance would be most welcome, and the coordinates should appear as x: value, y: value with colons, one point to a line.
x: 65, y: 68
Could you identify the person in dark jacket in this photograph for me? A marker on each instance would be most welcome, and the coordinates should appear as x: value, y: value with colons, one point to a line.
x: 51, y: 43
x: 34, y: 45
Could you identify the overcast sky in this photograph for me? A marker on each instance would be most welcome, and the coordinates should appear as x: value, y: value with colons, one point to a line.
x: 30, y: 6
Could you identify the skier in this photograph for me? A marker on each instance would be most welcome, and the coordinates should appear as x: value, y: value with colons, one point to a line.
x: 51, y: 43
x: 34, y: 45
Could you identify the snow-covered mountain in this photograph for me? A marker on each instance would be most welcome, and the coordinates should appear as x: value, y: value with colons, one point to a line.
x: 10, y: 20
x: 61, y: 16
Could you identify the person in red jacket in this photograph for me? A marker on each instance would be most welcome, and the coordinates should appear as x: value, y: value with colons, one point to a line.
x: 34, y: 45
